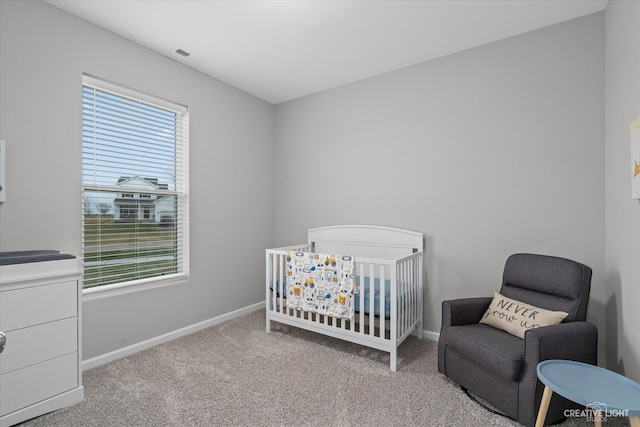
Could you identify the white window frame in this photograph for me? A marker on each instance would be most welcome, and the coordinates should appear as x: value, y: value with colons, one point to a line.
x: 182, y: 193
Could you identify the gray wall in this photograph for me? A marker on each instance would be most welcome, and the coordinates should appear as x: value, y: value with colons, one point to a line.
x: 622, y: 213
x: 491, y: 151
x: 43, y: 53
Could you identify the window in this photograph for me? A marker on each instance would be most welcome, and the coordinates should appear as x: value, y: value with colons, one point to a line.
x: 134, y: 184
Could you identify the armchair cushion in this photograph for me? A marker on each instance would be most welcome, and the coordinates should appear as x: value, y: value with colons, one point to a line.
x: 517, y: 317
x: 501, y: 352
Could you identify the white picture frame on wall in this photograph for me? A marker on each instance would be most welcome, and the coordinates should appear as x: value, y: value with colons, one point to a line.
x: 3, y: 156
x: 635, y: 159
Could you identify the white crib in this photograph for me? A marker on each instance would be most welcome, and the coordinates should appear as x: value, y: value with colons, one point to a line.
x: 389, y: 276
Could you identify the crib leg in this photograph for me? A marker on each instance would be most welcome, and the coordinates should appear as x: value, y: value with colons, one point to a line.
x: 268, y: 322
x: 394, y: 359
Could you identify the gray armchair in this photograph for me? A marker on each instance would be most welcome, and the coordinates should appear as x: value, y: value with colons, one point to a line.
x: 500, y: 368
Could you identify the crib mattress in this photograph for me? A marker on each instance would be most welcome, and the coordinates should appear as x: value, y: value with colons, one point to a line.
x: 366, y: 287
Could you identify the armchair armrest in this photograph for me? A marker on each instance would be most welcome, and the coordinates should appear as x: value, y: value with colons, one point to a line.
x: 464, y: 311
x: 572, y: 341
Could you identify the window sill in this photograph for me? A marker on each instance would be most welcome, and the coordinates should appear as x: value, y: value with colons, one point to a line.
x: 106, y: 291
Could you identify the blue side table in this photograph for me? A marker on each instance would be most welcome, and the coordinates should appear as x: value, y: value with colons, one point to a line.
x: 600, y: 390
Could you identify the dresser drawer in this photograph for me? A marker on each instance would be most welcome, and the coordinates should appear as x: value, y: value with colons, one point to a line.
x: 28, y: 346
x: 34, y: 305
x: 24, y: 387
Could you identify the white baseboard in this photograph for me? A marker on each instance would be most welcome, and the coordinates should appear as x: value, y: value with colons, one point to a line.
x: 433, y: 336
x: 129, y: 350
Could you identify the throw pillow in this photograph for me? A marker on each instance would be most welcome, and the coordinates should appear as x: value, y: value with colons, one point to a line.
x: 517, y: 317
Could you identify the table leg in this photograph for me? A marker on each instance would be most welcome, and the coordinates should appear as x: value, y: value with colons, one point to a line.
x: 544, y: 406
x: 634, y: 421
x: 597, y: 418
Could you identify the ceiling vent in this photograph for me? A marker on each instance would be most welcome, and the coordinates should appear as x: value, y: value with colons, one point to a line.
x: 182, y: 52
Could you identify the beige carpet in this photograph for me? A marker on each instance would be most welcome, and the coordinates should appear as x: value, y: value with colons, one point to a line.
x: 235, y: 374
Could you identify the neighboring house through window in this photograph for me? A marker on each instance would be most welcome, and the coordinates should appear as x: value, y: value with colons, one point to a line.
x: 135, y: 192
x: 149, y: 207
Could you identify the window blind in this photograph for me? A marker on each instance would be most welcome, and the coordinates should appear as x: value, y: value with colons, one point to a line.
x: 134, y: 178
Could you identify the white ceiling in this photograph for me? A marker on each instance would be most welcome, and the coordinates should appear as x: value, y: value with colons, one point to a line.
x: 282, y: 50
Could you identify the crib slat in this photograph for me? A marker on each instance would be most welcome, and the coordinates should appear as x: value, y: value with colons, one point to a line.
x: 411, y: 265
x: 267, y: 296
x: 383, y: 301
x: 372, y: 317
x: 393, y: 333
x: 401, y: 300
x: 410, y: 295
x: 274, y: 278
x: 277, y: 271
x: 406, y: 299
x: 281, y: 259
x: 361, y: 297
x: 419, y: 294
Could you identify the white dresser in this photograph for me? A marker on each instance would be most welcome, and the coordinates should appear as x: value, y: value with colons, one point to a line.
x: 40, y: 316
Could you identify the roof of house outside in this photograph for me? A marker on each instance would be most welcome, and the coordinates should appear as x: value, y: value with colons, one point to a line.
x: 153, y: 182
